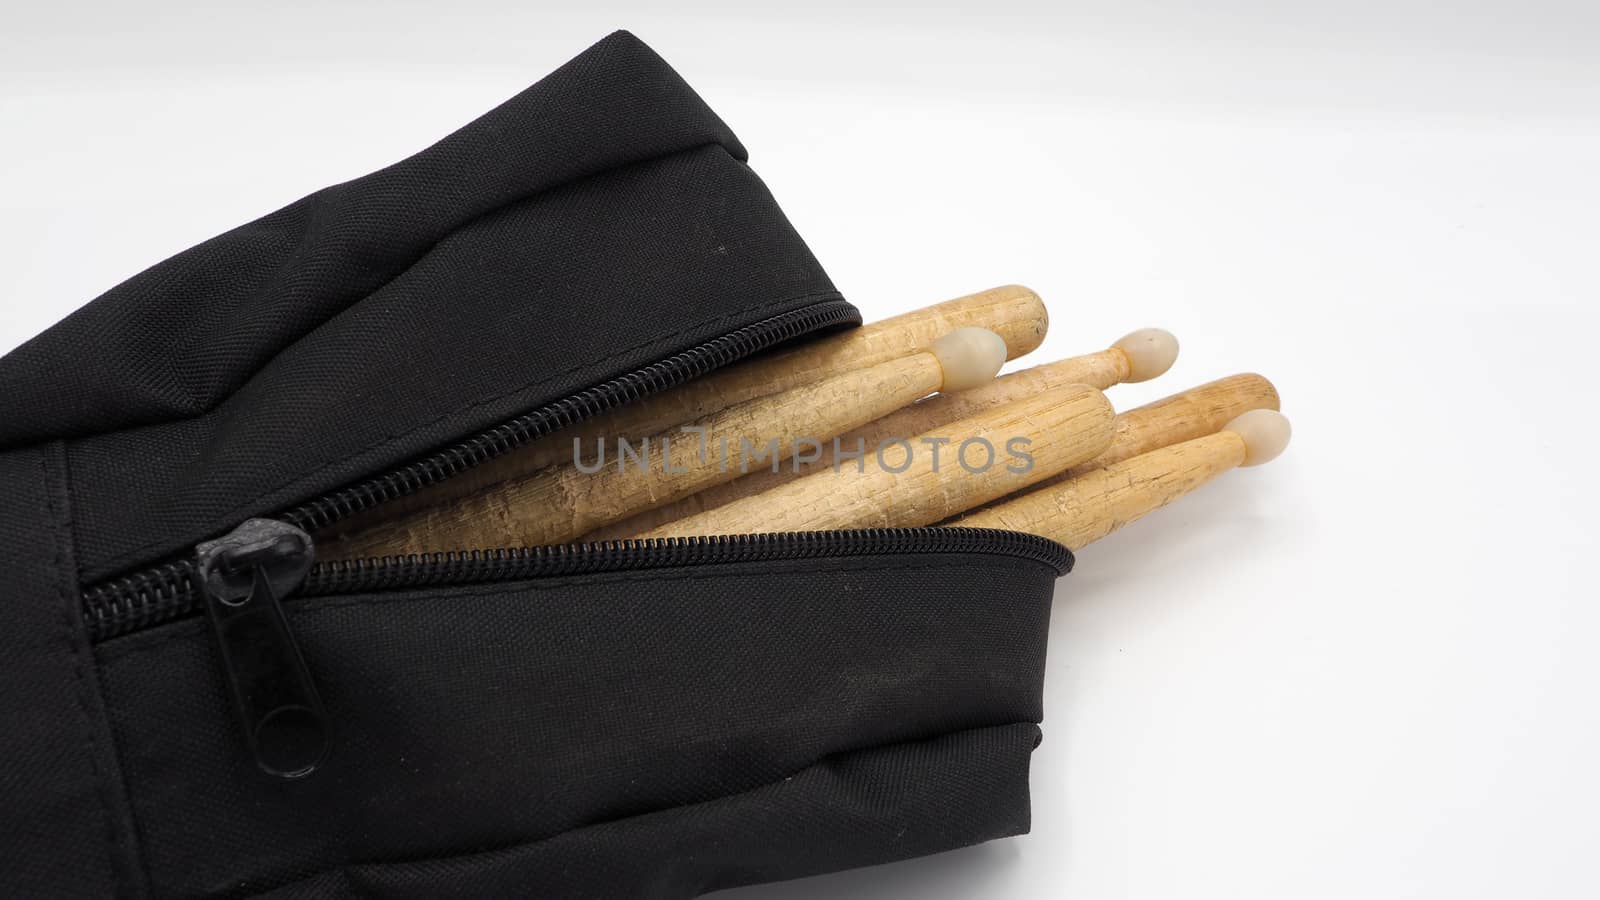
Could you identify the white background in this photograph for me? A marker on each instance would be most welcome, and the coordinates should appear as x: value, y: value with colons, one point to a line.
x: 1367, y: 670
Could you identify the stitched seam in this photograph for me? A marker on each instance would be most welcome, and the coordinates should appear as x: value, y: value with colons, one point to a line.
x: 60, y: 519
x: 117, y: 654
x: 125, y: 557
x: 824, y: 759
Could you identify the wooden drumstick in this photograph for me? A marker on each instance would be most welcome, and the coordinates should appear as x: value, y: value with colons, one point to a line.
x: 911, y: 484
x: 1094, y: 504
x: 1139, y: 356
x: 1012, y: 311
x: 1184, y: 416
x: 1181, y: 417
x: 559, y: 503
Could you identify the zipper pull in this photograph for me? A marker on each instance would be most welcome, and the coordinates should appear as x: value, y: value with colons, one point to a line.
x: 243, y: 577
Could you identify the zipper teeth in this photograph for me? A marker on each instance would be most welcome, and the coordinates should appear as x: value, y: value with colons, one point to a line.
x: 429, y: 569
x: 141, y: 600
x: 692, y: 363
x: 151, y: 596
x: 167, y: 593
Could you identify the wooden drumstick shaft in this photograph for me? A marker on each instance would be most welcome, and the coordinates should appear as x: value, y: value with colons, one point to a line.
x: 910, y: 484
x: 1014, y: 312
x: 559, y: 503
x: 1184, y: 416
x: 1181, y: 417
x: 1094, y: 504
x: 1139, y: 356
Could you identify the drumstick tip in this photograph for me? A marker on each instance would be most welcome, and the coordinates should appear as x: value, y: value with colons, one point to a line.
x: 1150, y: 351
x: 969, y: 357
x: 1265, y: 433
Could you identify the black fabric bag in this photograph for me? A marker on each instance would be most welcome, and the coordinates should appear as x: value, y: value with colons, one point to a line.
x: 658, y: 721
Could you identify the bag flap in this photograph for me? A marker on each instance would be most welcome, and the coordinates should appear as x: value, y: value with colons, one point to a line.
x: 596, y: 223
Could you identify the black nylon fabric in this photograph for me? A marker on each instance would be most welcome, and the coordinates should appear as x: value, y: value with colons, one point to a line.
x: 176, y: 340
x: 64, y: 827
x: 859, y: 808
x: 596, y: 223
x: 654, y: 734
x: 475, y: 721
x: 529, y: 304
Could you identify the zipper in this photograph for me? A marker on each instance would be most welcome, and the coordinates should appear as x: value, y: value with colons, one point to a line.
x: 115, y: 610
x: 142, y: 599
x: 675, y: 370
x: 243, y: 578
x: 240, y: 580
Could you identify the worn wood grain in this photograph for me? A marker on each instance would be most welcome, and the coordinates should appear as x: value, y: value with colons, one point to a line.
x: 1064, y: 427
x: 1093, y: 504
x: 1099, y: 370
x: 561, y: 502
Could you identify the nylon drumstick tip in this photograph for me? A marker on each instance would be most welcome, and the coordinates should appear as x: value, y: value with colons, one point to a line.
x: 1150, y: 351
x: 1265, y: 433
x: 969, y: 357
